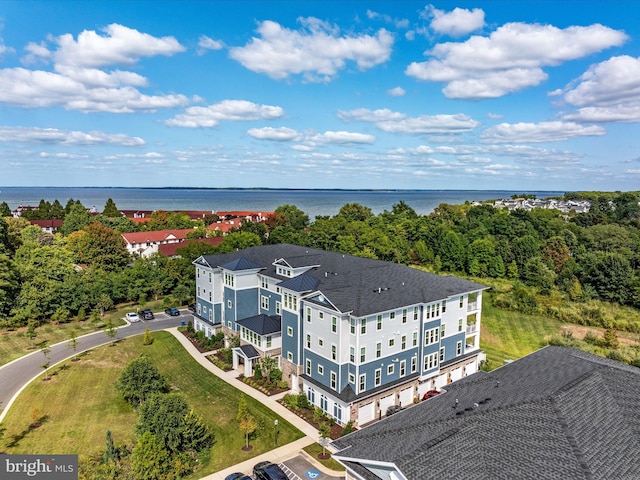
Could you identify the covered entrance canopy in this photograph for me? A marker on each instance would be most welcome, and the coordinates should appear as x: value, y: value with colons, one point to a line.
x: 246, y: 354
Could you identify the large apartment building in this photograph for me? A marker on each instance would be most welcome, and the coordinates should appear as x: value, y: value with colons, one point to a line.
x: 356, y: 335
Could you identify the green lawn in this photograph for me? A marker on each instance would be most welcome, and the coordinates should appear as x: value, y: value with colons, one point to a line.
x: 80, y: 404
x: 509, y: 335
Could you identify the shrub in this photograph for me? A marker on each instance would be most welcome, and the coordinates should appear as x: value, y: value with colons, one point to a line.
x: 348, y: 428
x: 616, y: 355
x: 303, y: 401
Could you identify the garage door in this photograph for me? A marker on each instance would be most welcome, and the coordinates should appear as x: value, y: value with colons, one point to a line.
x: 470, y: 368
x: 456, y: 374
x: 366, y: 413
x: 386, y: 402
x: 406, y: 396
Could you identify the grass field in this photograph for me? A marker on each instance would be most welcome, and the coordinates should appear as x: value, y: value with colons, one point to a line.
x: 509, y: 335
x: 79, y: 404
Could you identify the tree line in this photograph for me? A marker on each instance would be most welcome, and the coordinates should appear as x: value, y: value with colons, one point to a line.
x: 86, y: 267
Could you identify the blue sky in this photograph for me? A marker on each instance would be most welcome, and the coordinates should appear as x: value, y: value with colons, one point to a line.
x: 352, y: 94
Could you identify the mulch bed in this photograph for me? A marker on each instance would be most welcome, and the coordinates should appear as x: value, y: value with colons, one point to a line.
x: 194, y: 342
x: 307, y: 415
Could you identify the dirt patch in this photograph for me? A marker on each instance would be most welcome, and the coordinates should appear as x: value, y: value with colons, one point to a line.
x: 579, y: 331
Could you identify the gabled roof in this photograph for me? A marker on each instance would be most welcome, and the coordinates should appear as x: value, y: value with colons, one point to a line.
x: 155, y: 236
x: 301, y: 283
x: 240, y: 264
x: 557, y: 413
x: 249, y: 351
x: 353, y: 284
x: 262, y: 324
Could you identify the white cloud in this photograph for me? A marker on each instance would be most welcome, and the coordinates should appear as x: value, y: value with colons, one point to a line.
x: 234, y: 110
x: 342, y: 138
x: 538, y: 132
x: 607, y: 92
x: 37, y: 88
x: 510, y: 58
x: 395, y: 122
x: 205, y: 43
x: 457, y: 22
x: 317, y: 51
x: 66, y: 137
x: 397, y: 92
x: 396, y: 22
x: 120, y: 46
x: 79, y: 80
x: 282, y: 134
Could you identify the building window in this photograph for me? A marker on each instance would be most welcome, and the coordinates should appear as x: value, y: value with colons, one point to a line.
x: 197, y: 269
x: 363, y: 326
x: 209, y: 277
x: 363, y: 382
x: 460, y: 325
x: 228, y: 279
x: 264, y: 283
x: 334, y: 380
x: 312, y: 395
x: 334, y: 352
x: 403, y: 368
x: 308, y: 315
x: 414, y: 339
x: 390, y: 369
x: 278, y: 308
x: 430, y: 361
x: 442, y: 330
x: 392, y: 341
x: 229, y: 304
x: 461, y: 301
x: 210, y: 296
x: 416, y: 312
x: 378, y: 350
x: 352, y: 379
x: 431, y: 336
x: 320, y: 342
x: 321, y: 315
x: 290, y: 331
x: 352, y: 354
x: 404, y: 342
x: 352, y: 326
x: 414, y: 364
x: 308, y: 367
x: 269, y: 341
x: 459, y: 348
x: 441, y: 354
x: 379, y: 323
x: 404, y: 316
x: 437, y: 309
x: 378, y: 378
x: 290, y: 356
x: 308, y: 341
x: 392, y: 315
x: 444, y: 306
x: 264, y: 302
x: 363, y: 354
x: 320, y: 370
x: 334, y: 324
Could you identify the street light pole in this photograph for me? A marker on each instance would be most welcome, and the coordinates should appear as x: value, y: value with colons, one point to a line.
x: 275, y: 431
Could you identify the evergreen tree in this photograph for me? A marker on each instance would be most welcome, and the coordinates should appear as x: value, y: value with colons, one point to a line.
x: 110, y: 209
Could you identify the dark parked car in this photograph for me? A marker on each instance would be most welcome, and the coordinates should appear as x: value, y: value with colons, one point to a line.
x: 146, y: 314
x: 268, y: 471
x: 192, y: 307
x: 393, y: 409
x: 237, y: 476
x: 173, y: 311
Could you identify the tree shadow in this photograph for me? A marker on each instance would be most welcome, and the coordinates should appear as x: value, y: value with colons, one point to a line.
x: 15, y: 439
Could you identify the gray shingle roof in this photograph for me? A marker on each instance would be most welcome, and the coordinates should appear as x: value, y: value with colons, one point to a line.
x: 240, y: 263
x: 262, y: 324
x: 557, y: 413
x: 356, y: 284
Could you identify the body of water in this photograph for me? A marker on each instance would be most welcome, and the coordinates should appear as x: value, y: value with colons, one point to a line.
x: 312, y: 202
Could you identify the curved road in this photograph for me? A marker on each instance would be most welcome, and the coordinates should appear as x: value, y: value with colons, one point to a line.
x: 16, y: 375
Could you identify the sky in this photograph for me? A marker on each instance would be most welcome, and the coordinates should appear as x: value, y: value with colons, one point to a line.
x: 485, y: 95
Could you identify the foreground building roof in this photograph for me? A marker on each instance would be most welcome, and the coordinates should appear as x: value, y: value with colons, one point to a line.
x: 557, y: 413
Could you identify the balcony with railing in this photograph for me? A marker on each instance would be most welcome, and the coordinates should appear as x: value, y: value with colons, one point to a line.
x: 472, y: 306
x: 471, y: 329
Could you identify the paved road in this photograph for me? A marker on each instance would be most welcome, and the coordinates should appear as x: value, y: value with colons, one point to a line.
x: 16, y: 375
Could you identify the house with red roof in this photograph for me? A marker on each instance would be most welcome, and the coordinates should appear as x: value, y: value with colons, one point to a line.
x: 170, y: 249
x: 145, y: 244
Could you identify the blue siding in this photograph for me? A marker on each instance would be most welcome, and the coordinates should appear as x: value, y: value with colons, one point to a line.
x: 449, y: 343
x: 273, y: 298
x: 248, y: 303
x: 290, y: 344
x: 327, y: 364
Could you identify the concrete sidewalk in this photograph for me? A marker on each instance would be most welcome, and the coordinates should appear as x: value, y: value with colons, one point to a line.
x: 278, y: 455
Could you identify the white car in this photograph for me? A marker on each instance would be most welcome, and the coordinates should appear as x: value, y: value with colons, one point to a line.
x: 133, y: 317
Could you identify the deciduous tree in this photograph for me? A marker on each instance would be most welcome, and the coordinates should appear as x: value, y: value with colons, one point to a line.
x: 139, y: 380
